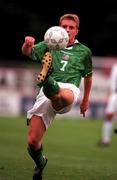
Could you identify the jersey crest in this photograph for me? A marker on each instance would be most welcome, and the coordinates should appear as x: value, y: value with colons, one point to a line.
x: 65, y: 57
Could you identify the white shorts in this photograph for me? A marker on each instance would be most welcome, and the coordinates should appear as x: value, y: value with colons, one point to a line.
x: 43, y: 106
x: 112, y: 104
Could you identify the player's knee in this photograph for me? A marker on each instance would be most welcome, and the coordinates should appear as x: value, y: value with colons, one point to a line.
x: 32, y: 143
x: 67, y: 96
x: 109, y: 116
x: 64, y: 98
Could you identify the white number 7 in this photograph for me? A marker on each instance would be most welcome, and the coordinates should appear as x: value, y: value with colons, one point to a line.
x: 64, y: 65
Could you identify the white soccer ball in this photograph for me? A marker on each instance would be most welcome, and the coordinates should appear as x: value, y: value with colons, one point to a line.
x: 56, y: 38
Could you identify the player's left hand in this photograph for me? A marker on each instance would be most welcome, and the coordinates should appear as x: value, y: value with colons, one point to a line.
x: 83, y: 107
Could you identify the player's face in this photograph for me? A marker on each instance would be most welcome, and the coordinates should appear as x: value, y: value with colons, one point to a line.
x: 70, y: 26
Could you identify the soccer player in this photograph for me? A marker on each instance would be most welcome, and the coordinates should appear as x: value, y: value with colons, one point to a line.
x: 111, y: 109
x: 59, y: 79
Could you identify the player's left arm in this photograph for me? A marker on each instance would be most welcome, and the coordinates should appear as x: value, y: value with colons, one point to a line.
x: 87, y: 89
x: 87, y: 82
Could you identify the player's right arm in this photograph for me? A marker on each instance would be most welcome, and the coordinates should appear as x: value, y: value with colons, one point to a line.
x: 28, y: 45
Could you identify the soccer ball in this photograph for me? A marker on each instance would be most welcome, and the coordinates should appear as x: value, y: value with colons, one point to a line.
x: 56, y: 38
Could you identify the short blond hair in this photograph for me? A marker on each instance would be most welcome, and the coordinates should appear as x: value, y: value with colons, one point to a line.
x: 74, y: 17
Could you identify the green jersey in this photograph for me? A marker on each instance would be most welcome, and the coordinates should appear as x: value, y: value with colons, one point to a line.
x: 70, y: 64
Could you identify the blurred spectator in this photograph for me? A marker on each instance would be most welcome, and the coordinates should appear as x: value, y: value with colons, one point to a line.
x: 111, y: 108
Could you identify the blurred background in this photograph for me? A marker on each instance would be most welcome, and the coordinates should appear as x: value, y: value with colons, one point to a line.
x: 98, y: 31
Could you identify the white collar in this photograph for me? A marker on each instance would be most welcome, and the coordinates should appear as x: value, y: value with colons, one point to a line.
x: 75, y: 42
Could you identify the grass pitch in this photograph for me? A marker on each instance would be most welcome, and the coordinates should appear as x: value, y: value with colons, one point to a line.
x: 71, y: 146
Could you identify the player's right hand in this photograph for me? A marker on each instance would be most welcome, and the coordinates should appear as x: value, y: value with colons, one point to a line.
x: 29, y: 41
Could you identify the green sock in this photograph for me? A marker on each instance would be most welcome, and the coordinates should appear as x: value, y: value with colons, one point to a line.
x: 50, y: 87
x: 37, y: 156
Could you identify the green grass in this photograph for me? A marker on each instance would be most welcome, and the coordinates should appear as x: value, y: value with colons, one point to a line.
x: 70, y: 146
